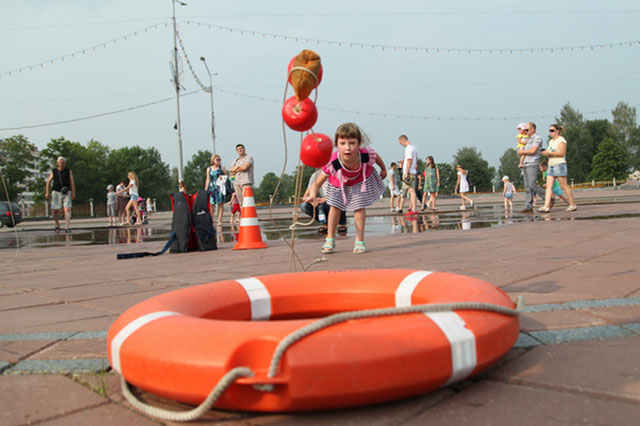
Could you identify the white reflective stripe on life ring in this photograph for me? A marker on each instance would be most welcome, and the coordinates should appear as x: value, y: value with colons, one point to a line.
x: 461, y: 339
x: 127, y: 331
x: 407, y: 286
x: 259, y: 298
x: 463, y: 343
x: 249, y: 221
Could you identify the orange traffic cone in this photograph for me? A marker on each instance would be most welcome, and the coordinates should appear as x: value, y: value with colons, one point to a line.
x: 250, y: 237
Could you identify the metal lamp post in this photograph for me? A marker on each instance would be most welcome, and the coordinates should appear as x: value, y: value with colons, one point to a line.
x: 213, y: 120
x: 176, y: 80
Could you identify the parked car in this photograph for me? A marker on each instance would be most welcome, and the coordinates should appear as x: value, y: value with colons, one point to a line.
x: 6, y: 213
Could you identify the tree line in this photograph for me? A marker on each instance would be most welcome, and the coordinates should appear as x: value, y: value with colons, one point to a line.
x: 597, y: 150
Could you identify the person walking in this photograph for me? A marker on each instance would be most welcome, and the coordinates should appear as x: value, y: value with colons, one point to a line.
x: 134, y: 194
x: 508, y: 192
x: 409, y: 172
x: 462, y: 186
x: 242, y: 169
x: 63, y: 191
x: 353, y: 183
x: 121, y: 201
x: 111, y: 205
x: 431, y: 183
x: 215, y: 183
x: 557, y: 168
x: 531, y: 162
x: 394, y: 187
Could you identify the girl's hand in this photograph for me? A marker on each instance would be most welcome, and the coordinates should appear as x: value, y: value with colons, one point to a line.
x: 383, y: 173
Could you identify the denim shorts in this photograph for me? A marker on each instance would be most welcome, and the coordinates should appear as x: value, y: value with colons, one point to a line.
x: 509, y: 195
x: 559, y: 170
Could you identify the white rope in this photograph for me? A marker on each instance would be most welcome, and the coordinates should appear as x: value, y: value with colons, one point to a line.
x: 185, y: 416
x: 304, y: 69
x: 372, y: 313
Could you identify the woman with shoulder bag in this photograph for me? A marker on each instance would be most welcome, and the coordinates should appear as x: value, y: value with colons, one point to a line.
x: 218, y: 184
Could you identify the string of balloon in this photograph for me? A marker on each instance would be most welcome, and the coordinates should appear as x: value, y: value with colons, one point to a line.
x: 417, y: 49
x: 84, y: 51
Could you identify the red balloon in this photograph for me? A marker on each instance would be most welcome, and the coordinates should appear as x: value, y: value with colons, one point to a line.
x: 316, y: 149
x: 291, y: 66
x: 299, y: 115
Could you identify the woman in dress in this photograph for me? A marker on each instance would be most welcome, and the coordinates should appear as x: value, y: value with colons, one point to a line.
x: 462, y: 186
x: 431, y: 184
x: 215, y: 186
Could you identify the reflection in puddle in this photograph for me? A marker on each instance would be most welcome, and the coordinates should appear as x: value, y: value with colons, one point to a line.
x: 275, y: 230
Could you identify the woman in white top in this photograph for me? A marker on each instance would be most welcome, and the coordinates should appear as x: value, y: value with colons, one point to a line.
x: 557, y: 168
x: 133, y: 201
x: 463, y: 184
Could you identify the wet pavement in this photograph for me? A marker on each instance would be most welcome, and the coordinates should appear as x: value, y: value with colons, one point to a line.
x: 380, y: 222
x: 575, y: 361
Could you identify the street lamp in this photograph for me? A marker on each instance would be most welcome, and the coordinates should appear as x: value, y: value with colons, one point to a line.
x: 176, y: 81
x: 210, y: 90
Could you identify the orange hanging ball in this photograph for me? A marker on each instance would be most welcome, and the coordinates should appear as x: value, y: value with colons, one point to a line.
x: 315, y: 150
x: 299, y: 115
x: 308, y: 74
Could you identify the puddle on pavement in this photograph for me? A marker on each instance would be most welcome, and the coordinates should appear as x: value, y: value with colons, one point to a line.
x: 376, y: 226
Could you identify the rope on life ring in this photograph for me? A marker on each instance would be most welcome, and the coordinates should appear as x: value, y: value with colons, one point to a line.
x: 238, y: 372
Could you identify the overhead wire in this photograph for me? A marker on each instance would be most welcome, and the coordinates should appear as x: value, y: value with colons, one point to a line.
x: 84, y: 51
x: 419, y: 49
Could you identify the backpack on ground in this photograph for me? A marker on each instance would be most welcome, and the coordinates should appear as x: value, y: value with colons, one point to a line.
x: 182, y: 224
x: 205, y: 234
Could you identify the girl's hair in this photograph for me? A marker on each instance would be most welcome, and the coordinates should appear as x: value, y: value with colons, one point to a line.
x: 432, y: 163
x: 351, y: 130
x: 135, y: 177
x: 559, y: 128
x: 213, y: 157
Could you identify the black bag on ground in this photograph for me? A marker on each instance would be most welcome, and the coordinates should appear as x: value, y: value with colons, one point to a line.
x: 181, y: 223
x: 207, y: 238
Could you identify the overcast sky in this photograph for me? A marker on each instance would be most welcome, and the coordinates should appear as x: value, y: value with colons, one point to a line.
x: 487, y: 93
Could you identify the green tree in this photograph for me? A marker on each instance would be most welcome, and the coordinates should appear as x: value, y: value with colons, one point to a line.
x: 448, y: 176
x: 627, y: 132
x: 582, y: 145
x: 153, y: 173
x: 569, y: 117
x: 17, y: 155
x: 266, y: 188
x: 480, y: 174
x: 609, y: 162
x: 196, y: 169
x: 509, y: 166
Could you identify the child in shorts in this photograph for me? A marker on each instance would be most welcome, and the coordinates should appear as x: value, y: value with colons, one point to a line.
x: 508, y: 192
x: 111, y: 205
x: 235, y: 208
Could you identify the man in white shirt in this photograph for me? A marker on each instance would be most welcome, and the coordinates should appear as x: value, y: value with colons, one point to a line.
x: 409, y: 175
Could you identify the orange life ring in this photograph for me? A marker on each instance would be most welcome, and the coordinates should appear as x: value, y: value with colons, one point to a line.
x: 179, y: 344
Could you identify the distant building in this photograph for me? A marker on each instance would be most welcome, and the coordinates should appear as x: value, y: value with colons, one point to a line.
x: 35, y: 179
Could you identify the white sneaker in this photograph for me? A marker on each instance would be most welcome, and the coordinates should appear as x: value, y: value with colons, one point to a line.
x: 471, y: 203
x: 462, y: 208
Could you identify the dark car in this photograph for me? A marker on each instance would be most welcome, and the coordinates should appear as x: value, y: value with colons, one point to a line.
x: 6, y: 213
